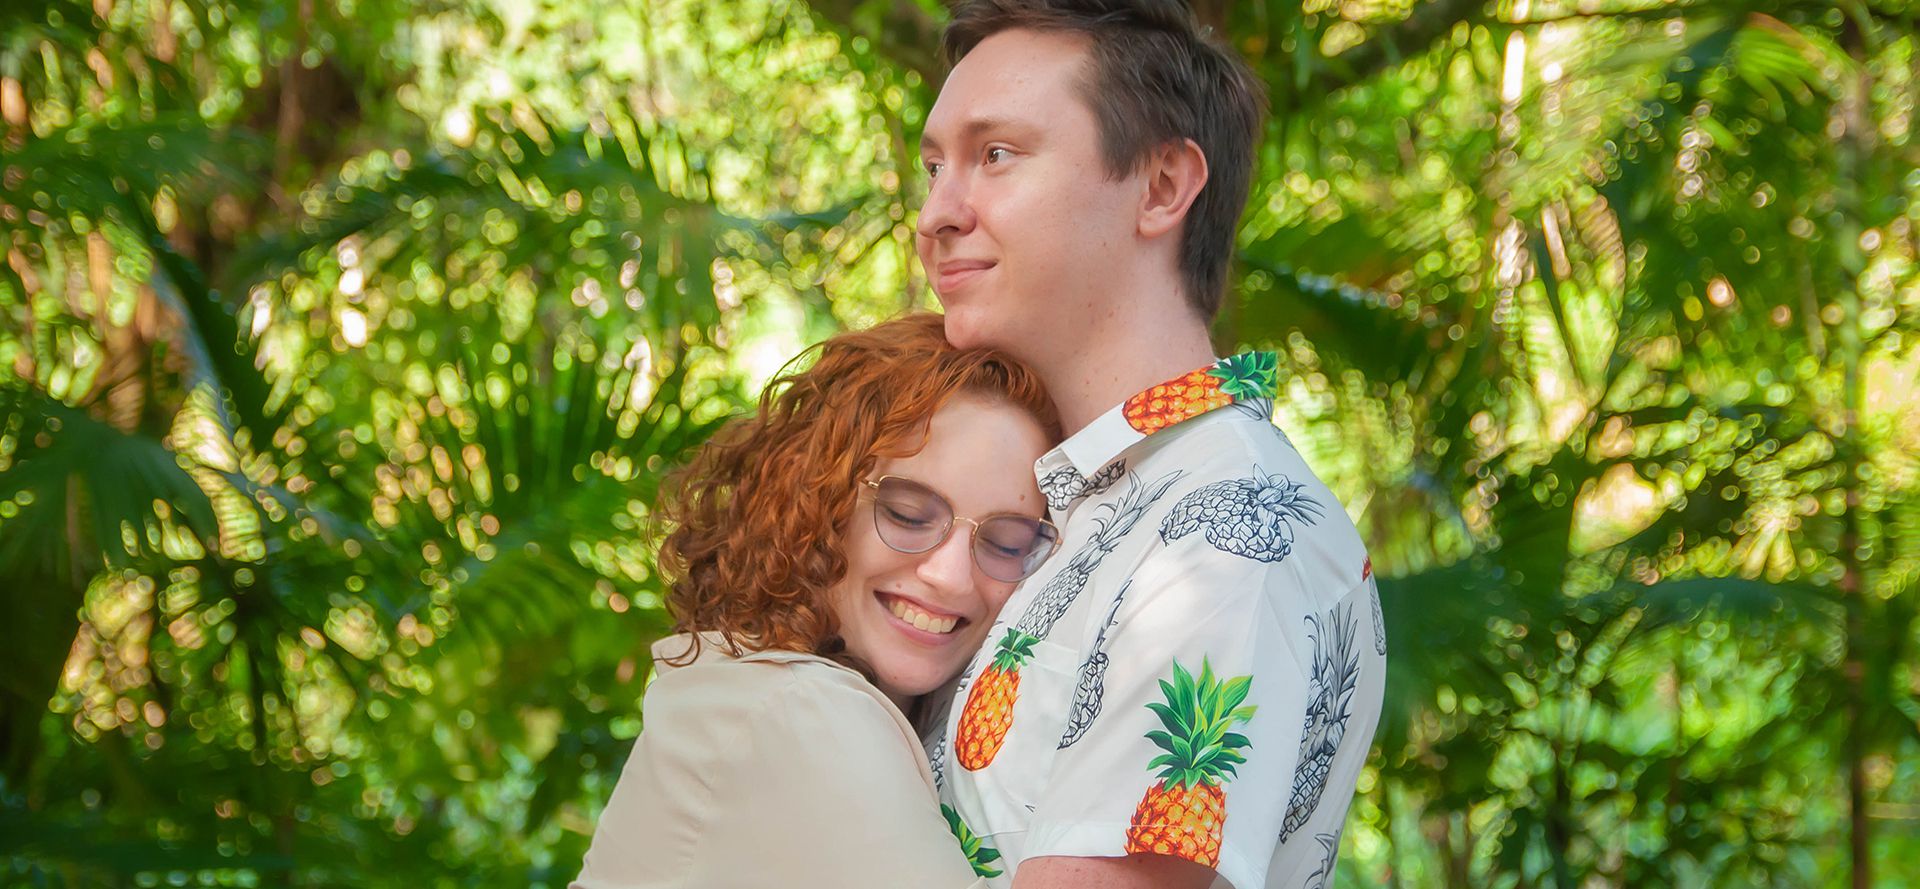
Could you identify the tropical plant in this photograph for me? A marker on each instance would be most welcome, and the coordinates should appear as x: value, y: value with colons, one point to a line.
x: 346, y: 344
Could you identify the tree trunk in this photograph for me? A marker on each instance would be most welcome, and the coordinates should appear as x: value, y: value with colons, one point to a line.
x: 1854, y: 149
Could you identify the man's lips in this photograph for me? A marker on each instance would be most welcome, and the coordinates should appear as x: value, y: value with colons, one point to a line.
x: 955, y: 272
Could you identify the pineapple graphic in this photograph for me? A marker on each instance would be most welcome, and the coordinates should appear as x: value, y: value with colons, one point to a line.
x: 988, y: 714
x: 1330, y: 852
x: 1065, y: 485
x: 979, y: 854
x: 1249, y: 375
x: 1251, y: 517
x: 1093, y: 676
x: 1168, y: 403
x: 937, y: 759
x: 1379, y: 619
x: 1379, y: 624
x: 1185, y: 812
x: 1330, y: 688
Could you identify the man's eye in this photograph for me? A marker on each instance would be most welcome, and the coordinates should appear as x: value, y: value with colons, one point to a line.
x: 933, y: 169
x: 994, y: 155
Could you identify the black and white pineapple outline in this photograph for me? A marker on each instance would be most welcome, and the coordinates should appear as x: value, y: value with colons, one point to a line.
x: 1330, y: 853
x: 1379, y: 622
x: 1060, y: 591
x: 1330, y: 693
x: 1379, y: 619
x: 1251, y: 517
x: 937, y: 758
x: 1262, y: 409
x: 1093, y: 675
x: 1065, y: 485
x: 1258, y: 409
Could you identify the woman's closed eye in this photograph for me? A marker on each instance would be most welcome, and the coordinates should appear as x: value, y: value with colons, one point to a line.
x: 906, y: 517
x: 1008, y: 542
x: 1004, y: 550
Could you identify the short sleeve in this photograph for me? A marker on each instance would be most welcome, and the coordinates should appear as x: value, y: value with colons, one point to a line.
x: 1190, y: 738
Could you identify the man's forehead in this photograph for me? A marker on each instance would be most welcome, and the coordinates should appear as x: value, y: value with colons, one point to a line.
x: 1012, y: 79
x: 1018, y: 58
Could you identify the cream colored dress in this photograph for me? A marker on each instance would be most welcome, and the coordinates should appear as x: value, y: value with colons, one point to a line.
x: 772, y: 769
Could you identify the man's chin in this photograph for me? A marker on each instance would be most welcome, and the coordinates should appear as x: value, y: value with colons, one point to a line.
x: 965, y: 329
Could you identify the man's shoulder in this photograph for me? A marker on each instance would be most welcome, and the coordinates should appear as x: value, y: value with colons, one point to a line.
x: 1247, y: 505
x: 1234, y: 441
x: 1241, y: 430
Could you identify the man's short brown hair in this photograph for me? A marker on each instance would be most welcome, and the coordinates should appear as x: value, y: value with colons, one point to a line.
x: 1154, y: 78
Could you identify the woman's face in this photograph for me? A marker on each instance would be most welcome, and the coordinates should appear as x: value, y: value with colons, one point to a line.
x: 979, y: 456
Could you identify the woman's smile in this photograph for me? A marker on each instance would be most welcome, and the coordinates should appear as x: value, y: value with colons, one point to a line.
x: 917, y: 620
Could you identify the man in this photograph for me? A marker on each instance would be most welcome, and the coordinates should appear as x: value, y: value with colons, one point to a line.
x: 1185, y: 695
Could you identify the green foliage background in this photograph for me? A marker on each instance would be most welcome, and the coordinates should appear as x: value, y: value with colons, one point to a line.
x: 343, y: 344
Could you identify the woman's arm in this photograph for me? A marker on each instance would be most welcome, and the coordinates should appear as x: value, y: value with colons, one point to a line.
x: 764, y: 774
x: 832, y: 792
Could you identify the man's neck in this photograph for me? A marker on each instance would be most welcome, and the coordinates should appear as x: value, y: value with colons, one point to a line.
x: 1088, y: 378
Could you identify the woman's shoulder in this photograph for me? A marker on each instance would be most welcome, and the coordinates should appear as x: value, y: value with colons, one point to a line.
x: 769, y: 686
x: 735, y: 742
x: 778, y: 710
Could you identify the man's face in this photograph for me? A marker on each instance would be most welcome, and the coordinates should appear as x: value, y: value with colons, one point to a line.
x: 1022, y: 226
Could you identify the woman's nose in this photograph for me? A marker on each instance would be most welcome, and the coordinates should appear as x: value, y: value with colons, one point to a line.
x: 949, y: 566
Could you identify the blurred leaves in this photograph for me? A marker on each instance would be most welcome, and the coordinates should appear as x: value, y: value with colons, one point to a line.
x: 347, y: 345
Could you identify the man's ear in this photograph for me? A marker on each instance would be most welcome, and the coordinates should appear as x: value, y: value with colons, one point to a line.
x: 1175, y: 173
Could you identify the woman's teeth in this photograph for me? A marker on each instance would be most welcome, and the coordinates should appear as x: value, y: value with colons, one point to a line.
x: 920, y: 619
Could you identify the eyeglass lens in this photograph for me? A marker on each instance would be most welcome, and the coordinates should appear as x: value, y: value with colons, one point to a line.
x: 912, y: 518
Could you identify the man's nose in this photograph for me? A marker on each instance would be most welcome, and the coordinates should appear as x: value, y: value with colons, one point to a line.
x: 948, y: 210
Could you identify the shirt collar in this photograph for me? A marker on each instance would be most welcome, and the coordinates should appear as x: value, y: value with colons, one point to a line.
x: 1243, y: 377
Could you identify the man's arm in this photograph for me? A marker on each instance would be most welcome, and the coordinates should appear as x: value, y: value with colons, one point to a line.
x: 1141, y: 870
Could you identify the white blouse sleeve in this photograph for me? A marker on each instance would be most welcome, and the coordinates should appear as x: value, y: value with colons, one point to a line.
x: 762, y: 774
x: 828, y: 792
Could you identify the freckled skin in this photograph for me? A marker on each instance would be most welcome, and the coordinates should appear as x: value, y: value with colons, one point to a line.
x: 979, y: 456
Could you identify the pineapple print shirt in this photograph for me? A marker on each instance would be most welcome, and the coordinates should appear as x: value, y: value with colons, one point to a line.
x: 1197, y: 671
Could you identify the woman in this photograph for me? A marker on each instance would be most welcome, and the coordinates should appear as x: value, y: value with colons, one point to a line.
x: 835, y: 555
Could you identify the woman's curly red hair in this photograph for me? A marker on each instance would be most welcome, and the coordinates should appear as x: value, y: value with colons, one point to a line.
x: 756, y: 516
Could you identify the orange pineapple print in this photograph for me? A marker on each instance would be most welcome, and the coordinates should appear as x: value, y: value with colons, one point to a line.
x: 1161, y: 406
x: 988, y: 715
x: 1243, y: 376
x: 1184, y: 814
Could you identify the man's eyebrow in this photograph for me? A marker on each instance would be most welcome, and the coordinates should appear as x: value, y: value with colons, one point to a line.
x: 972, y: 128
